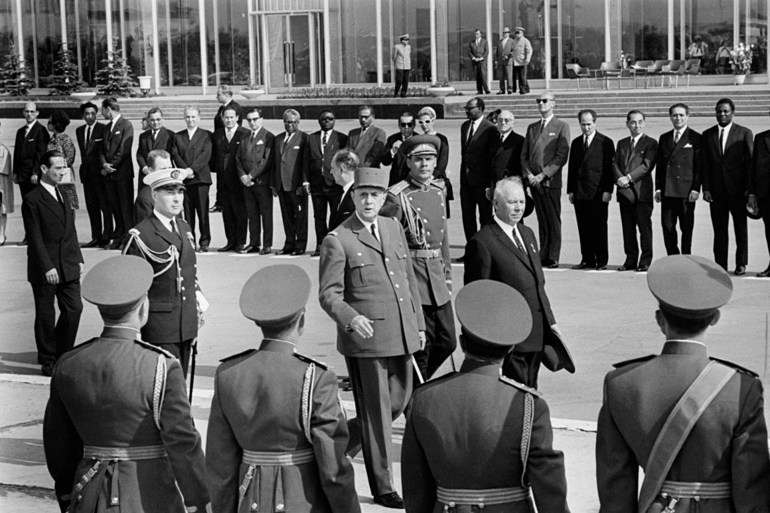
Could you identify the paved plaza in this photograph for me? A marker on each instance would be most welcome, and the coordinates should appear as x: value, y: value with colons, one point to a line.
x: 605, y: 316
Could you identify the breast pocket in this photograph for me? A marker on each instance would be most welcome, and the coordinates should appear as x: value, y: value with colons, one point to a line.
x: 362, y: 272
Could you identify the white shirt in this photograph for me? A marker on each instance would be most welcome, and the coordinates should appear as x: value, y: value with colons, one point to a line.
x: 191, y: 133
x: 346, y: 187
x: 510, y: 231
x: 726, y: 134
x: 547, y: 120
x: 166, y: 221
x: 635, y: 140
x: 50, y: 188
x: 368, y: 226
x: 114, y: 120
x: 474, y: 126
x: 590, y: 138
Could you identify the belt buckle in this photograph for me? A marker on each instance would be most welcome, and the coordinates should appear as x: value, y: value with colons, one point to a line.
x: 671, y: 505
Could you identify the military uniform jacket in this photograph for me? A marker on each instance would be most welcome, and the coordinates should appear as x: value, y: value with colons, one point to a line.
x: 173, y: 311
x: 434, y: 275
x: 257, y: 406
x: 465, y: 430
x: 546, y: 151
x: 727, y: 444
x: 360, y: 276
x: 679, y: 165
x: 102, y: 395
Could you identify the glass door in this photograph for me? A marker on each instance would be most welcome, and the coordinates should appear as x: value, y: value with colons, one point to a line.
x: 295, y: 50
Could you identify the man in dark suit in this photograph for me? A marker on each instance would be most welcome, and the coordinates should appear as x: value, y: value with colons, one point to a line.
x: 440, y: 470
x: 254, y: 165
x: 367, y: 286
x: 506, y: 160
x: 505, y: 62
x: 678, y: 179
x: 344, y: 164
x: 176, y: 302
x: 54, y: 262
x: 369, y: 140
x: 292, y: 183
x: 505, y: 250
x: 543, y: 155
x: 589, y: 187
x: 191, y: 150
x: 156, y: 137
x: 276, y: 403
x: 632, y: 170
x: 117, y: 169
x: 90, y: 138
x: 324, y: 192
x: 478, y: 50
x: 391, y: 156
x: 31, y: 143
x: 478, y: 140
x: 727, y: 149
x: 225, y: 97
x: 759, y: 186
x: 225, y: 142
x: 695, y: 423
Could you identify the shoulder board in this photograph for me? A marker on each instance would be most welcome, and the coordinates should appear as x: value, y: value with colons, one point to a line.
x: 399, y: 187
x: 242, y: 353
x: 333, y: 233
x: 735, y: 366
x: 634, y: 360
x: 151, y: 347
x: 439, y: 182
x: 307, y: 359
x: 520, y: 386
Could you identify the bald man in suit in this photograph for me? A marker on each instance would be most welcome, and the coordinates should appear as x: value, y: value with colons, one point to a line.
x: 368, y: 141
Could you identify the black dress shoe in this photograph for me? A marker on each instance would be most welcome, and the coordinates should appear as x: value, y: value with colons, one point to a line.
x: 553, y: 265
x: 390, y: 500
x: 298, y: 252
x: 626, y: 267
x: 216, y: 208
x: 90, y: 244
x: 581, y: 265
x: 227, y: 247
x: 204, y: 248
x: 266, y: 250
x: 245, y: 249
x: 764, y: 274
x: 500, y: 92
x: 740, y: 270
x: 460, y: 259
x: 642, y: 268
x: 104, y: 244
x: 286, y: 251
x: 601, y: 267
x: 116, y: 244
x: 316, y: 253
x: 47, y: 369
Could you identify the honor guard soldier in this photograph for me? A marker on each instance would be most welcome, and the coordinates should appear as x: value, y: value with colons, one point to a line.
x: 166, y: 241
x: 118, y: 431
x: 277, y: 433
x: 418, y: 202
x: 476, y: 440
x: 695, y: 424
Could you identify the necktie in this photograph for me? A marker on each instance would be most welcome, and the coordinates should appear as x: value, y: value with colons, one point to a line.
x: 253, y: 135
x: 58, y: 197
x: 173, y: 226
x: 374, y: 232
x: 229, y: 134
x: 517, y: 241
x: 471, y: 131
x: 502, y: 137
x: 88, y: 137
x: 585, y: 144
x: 154, y: 135
x: 324, y: 140
x: 676, y: 136
x: 285, y: 142
x: 721, y: 141
x: 542, y: 126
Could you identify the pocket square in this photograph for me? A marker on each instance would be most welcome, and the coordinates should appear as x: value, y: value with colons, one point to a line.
x: 116, y: 133
x: 97, y: 140
x: 688, y: 145
x: 260, y: 142
x: 31, y: 140
x: 551, y: 134
x: 296, y: 147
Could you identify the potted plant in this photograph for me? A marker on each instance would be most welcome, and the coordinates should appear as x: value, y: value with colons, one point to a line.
x: 740, y: 61
x: 443, y: 88
x: 252, y: 91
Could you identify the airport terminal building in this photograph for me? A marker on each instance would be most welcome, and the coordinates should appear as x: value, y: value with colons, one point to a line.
x: 302, y: 43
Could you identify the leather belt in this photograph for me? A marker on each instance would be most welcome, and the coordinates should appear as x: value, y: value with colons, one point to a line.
x: 425, y: 253
x: 697, y: 491
x: 452, y: 497
x: 143, y: 452
x: 278, y: 459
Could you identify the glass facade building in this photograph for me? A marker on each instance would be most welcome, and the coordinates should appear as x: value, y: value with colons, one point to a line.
x: 301, y: 43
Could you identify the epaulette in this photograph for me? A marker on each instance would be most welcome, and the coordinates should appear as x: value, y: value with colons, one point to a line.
x: 399, y: 187
x: 307, y: 359
x: 242, y: 353
x: 439, y: 182
x: 735, y: 366
x: 520, y: 386
x: 634, y: 360
x: 151, y: 347
x: 333, y: 233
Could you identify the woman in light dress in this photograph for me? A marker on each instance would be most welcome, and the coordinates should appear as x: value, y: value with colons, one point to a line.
x: 6, y: 189
x: 62, y: 142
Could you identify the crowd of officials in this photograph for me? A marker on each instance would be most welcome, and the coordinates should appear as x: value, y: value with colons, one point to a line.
x: 385, y: 280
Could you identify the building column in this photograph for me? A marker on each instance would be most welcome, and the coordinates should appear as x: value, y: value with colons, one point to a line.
x: 491, y: 55
x: 378, y: 24
x: 736, y: 23
x: 327, y: 46
x: 547, y: 45
x: 670, y: 30
x: 433, y: 54
x: 682, y: 30
x: 108, y: 25
x: 155, y: 46
x: 252, y: 45
x: 19, y: 31
x: 607, y: 32
x: 204, y: 57
x: 63, y: 17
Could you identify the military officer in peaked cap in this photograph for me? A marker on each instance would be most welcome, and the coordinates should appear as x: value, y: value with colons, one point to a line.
x: 476, y: 440
x: 367, y: 285
x: 166, y: 241
x: 694, y: 423
x: 118, y: 432
x: 277, y: 434
x: 418, y: 202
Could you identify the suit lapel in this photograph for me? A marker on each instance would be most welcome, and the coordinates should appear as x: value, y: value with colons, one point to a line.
x: 365, y: 235
x: 164, y: 233
x: 54, y: 206
x: 508, y: 243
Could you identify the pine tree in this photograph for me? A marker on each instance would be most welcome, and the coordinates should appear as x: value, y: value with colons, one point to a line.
x: 114, y: 77
x: 13, y: 74
x: 65, y: 73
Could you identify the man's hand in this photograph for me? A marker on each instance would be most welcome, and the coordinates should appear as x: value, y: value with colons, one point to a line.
x: 606, y: 197
x: 624, y: 181
x: 707, y: 196
x: 33, y: 179
x: 245, y: 180
x: 752, y: 202
x: 275, y: 192
x: 694, y: 195
x: 657, y: 196
x: 81, y: 266
x: 556, y: 329
x: 423, y: 340
x: 52, y: 277
x: 533, y: 180
x: 145, y: 170
x: 361, y: 325
x: 489, y: 194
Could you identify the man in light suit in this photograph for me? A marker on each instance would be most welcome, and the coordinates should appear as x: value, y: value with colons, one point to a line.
x: 344, y: 164
x: 478, y: 140
x: 254, y: 164
x: 589, y: 186
x: 191, y: 150
x: 632, y: 170
x: 54, y: 262
x: 505, y: 62
x: 156, y: 137
x: 402, y: 63
x: 678, y: 179
x: 727, y: 150
x: 292, y: 183
x: 545, y: 151
x: 31, y: 142
x: 369, y: 140
x: 522, y: 54
x: 505, y: 250
x: 478, y: 50
x: 324, y: 192
x: 368, y: 287
x: 759, y: 186
x: 118, y: 170
x: 507, y: 158
x: 90, y: 138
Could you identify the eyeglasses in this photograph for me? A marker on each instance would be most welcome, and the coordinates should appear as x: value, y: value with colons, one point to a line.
x: 507, y: 32
x: 425, y: 122
x: 404, y: 125
x: 251, y: 120
x: 542, y: 100
x: 327, y: 118
x: 471, y: 107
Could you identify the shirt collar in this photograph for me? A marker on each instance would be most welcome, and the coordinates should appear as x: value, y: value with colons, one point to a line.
x: 163, y: 219
x: 507, y: 228
x: 346, y: 187
x: 191, y: 133
x: 548, y: 119
x: 50, y: 188
x: 635, y: 140
x: 368, y: 225
x: 591, y: 137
